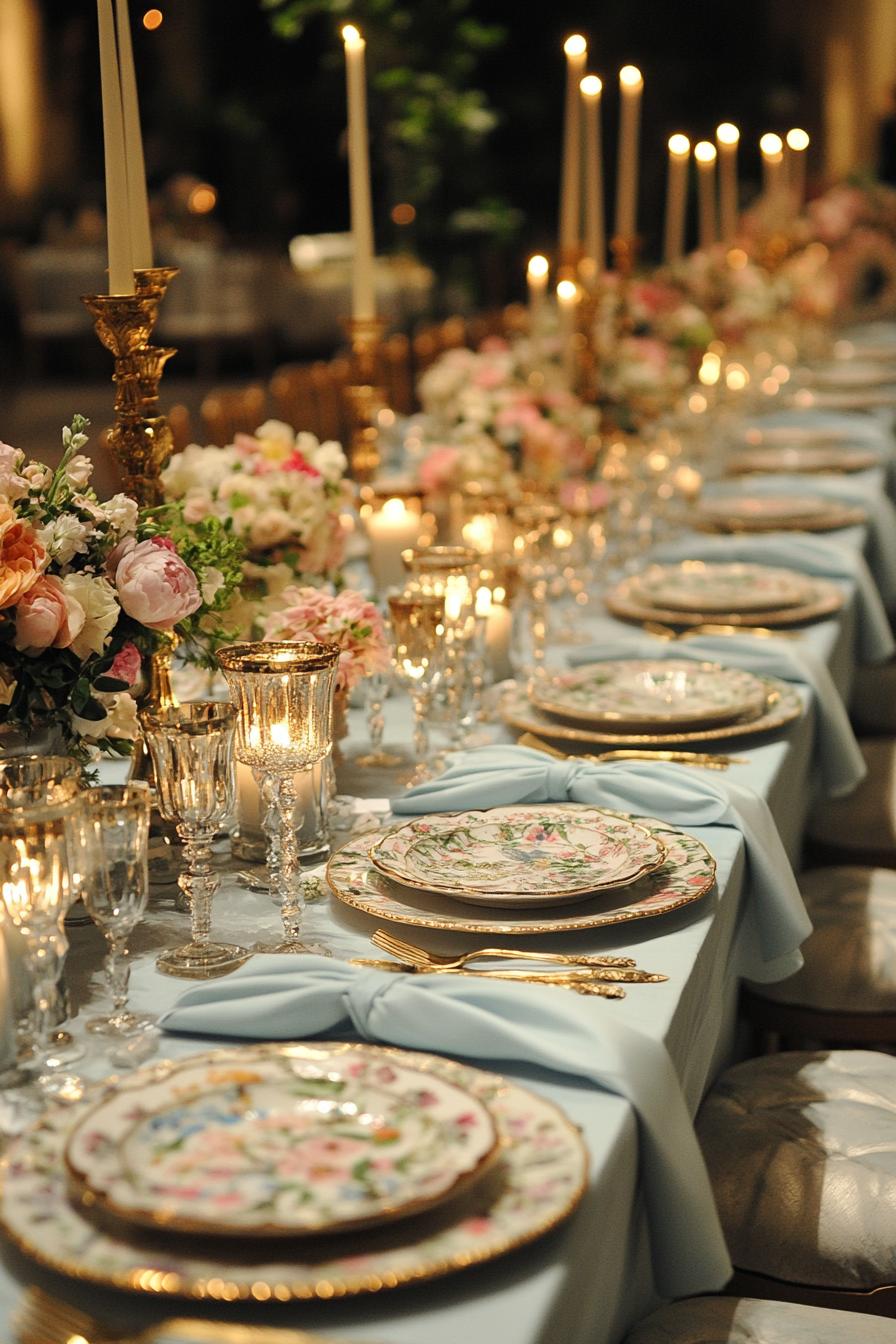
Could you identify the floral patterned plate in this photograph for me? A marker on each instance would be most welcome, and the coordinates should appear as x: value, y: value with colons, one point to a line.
x: 544, y: 855
x: 642, y: 694
x: 802, y: 459
x: 537, y: 1181
x: 824, y: 598
x: 708, y: 586
x: 279, y: 1149
x: 764, y: 513
x: 688, y: 872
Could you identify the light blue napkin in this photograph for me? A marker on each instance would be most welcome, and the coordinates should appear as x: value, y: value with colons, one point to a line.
x: 819, y: 555
x: 500, y: 776
x: 501, y: 1024
x: 839, y: 759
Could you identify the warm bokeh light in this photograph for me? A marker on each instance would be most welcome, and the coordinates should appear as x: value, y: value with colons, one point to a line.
x: 771, y: 145
x: 797, y: 139
x: 351, y: 36
x: 567, y: 291
x: 202, y: 199
x: 737, y: 258
x: 710, y: 369
x: 727, y: 133
x: 591, y: 86
x: 152, y: 19
x: 679, y: 145
x: 403, y: 213
x: 705, y: 151
x: 538, y: 267
x: 630, y: 77
x: 575, y: 45
x: 736, y: 377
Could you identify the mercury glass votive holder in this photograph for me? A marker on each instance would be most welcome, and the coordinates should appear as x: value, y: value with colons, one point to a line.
x: 192, y: 754
x: 283, y: 693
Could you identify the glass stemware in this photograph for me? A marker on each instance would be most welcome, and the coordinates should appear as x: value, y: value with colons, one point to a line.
x: 418, y: 624
x: 284, y: 698
x: 192, y: 754
x: 115, y: 887
x: 376, y: 688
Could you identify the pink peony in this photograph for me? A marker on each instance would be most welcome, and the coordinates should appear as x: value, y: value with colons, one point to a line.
x: 47, y: 617
x: 126, y: 664
x: 154, y: 585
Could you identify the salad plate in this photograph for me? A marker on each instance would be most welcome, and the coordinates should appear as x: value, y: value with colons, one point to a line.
x: 707, y: 586
x: 804, y: 460
x: 686, y: 874
x: 545, y: 854
x: 537, y: 1181
x: 638, y: 695
x: 281, y: 1147
x: 764, y: 513
x: 823, y: 598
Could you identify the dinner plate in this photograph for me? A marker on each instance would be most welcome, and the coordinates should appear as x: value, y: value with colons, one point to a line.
x: 536, y: 1183
x: 686, y: 875
x: 763, y: 513
x: 281, y: 1147
x: 771, y: 436
x: 802, y: 460
x: 844, y: 399
x: 639, y: 695
x: 702, y: 585
x: 783, y: 704
x: 539, y: 855
x: 823, y: 599
x: 850, y: 374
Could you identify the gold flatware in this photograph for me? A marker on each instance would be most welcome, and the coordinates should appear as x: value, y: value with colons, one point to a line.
x: 709, y: 760
x: 419, y: 956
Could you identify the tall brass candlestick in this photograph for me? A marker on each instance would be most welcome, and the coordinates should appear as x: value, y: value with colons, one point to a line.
x: 365, y: 399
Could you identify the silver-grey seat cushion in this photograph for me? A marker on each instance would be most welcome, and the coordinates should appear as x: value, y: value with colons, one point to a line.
x: 866, y: 818
x: 850, y: 958
x: 801, y: 1152
x: 748, y: 1320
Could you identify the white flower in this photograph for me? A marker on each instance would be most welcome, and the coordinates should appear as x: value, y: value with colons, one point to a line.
x: 121, y: 513
x: 198, y: 468
x: 270, y: 528
x: 211, y: 583
x: 277, y: 431
x: 120, y: 721
x: 97, y: 597
x: 327, y: 458
x: 78, y: 471
x: 37, y: 475
x: 64, y: 538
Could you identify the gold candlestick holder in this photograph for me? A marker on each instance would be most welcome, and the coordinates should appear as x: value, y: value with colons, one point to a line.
x: 364, y: 398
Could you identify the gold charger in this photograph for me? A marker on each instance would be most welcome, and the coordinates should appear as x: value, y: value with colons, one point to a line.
x: 830, y: 516
x: 623, y: 602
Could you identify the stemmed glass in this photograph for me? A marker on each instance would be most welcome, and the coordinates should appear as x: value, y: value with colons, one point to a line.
x: 418, y: 626
x: 534, y: 549
x: 453, y: 574
x: 284, y: 698
x: 115, y: 885
x: 192, y: 755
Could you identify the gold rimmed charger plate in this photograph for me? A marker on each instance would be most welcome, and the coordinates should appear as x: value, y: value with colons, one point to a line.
x: 623, y: 601
x: 829, y: 517
x: 783, y: 704
x: 687, y: 874
x: 802, y: 459
x: 537, y: 1182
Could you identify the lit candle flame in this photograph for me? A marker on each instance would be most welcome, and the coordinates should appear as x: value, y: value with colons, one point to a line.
x: 705, y: 151
x: 797, y: 139
x: 591, y: 86
x: 630, y: 77
x: 575, y: 45
x: 538, y: 267
x: 771, y: 145
x: 727, y: 133
x: 679, y: 145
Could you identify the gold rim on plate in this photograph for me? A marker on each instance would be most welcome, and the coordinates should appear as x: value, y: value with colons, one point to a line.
x: 802, y: 459
x: 828, y: 599
x: 830, y: 518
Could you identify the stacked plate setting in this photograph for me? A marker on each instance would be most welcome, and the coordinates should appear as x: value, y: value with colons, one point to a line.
x: 773, y: 513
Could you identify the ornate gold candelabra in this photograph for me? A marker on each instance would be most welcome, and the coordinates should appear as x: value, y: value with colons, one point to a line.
x: 365, y: 399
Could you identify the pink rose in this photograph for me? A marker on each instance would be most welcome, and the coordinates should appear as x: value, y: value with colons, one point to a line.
x: 47, y: 617
x: 154, y: 585
x: 126, y: 664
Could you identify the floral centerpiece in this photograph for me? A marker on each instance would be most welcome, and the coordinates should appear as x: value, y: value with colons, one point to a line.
x: 346, y: 619
x: 88, y: 589
x: 736, y: 293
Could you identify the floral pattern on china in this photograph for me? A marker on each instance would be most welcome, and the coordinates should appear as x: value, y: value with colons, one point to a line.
x: 518, y: 855
x: 543, y: 1167
x: 697, y: 585
x: 640, y: 693
x: 281, y: 1147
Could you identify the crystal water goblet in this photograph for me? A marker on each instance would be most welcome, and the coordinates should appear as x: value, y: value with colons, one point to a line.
x: 283, y: 694
x: 418, y: 625
x: 192, y: 754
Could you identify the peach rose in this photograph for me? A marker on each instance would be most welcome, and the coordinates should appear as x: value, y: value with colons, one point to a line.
x: 46, y: 617
x: 21, y: 557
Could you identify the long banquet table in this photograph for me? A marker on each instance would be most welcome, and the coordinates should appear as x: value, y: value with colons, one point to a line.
x: 591, y: 1278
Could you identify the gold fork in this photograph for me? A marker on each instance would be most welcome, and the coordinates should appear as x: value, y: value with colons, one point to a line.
x: 713, y: 628
x: 709, y: 760
x: 615, y: 969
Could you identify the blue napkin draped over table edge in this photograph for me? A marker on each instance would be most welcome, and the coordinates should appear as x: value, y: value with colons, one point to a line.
x: 840, y: 760
x: 504, y: 775
x: 817, y: 555
x: 498, y: 1024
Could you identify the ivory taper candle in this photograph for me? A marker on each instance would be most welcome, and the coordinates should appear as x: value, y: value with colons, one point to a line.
x: 575, y: 49
x: 771, y: 147
x: 676, y: 197
x: 537, y: 285
x: 727, y: 138
x: 363, y: 283
x: 705, y: 155
x: 631, y: 87
x: 121, y: 266
x: 138, y: 204
x: 567, y: 305
x: 797, y: 144
x: 595, y: 233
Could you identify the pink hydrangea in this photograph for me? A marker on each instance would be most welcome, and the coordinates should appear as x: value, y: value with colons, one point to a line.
x: 346, y: 619
x: 155, y: 586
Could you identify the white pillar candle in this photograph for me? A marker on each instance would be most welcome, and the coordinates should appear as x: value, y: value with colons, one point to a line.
x: 576, y: 51
x: 797, y: 144
x: 676, y: 197
x: 727, y: 138
x: 310, y: 812
x: 498, y: 635
x: 391, y: 530
x: 121, y: 266
x: 138, y: 204
x: 631, y: 87
x: 363, y: 282
x: 705, y: 155
x: 595, y: 234
x: 771, y: 147
x: 567, y: 305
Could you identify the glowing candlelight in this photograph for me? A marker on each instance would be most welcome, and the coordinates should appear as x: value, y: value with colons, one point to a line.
x: 771, y: 147
x: 631, y: 87
x: 727, y: 139
x: 576, y: 51
x: 390, y: 530
x: 595, y: 241
x: 363, y: 284
x: 567, y: 303
x: 705, y: 155
x: 537, y: 282
x: 676, y: 197
x: 797, y: 144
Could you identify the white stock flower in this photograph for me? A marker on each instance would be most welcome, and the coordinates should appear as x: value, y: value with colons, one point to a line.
x: 97, y: 597
x: 121, y: 513
x: 78, y: 471
x: 64, y: 538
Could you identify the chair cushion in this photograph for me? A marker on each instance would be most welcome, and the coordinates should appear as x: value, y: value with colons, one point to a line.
x: 748, y: 1320
x: 866, y: 818
x: 801, y: 1152
x: 850, y: 959
x: 873, y: 702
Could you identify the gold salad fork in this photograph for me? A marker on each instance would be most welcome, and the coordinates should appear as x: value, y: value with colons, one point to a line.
x: 612, y: 969
x: 708, y: 760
